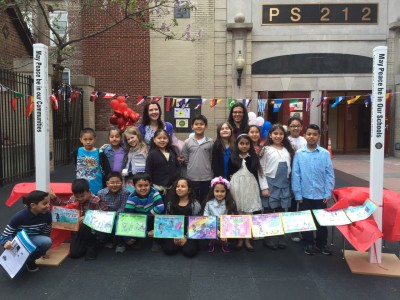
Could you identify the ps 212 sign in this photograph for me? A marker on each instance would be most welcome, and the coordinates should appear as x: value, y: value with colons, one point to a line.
x: 360, y: 13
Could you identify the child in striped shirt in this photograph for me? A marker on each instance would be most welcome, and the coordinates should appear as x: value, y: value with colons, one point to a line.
x: 36, y: 220
x: 144, y: 199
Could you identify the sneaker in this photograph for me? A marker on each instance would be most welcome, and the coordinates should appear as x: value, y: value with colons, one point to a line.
x: 109, y: 245
x: 210, y: 248
x: 324, y: 250
x: 120, y: 248
x: 268, y: 242
x: 309, y: 250
x: 295, y: 238
x: 155, y: 247
x: 282, y: 243
x: 31, y: 266
x: 225, y: 248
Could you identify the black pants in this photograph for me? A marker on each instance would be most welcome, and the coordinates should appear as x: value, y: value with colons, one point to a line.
x: 201, y: 190
x: 82, y: 241
x: 322, y: 231
x: 190, y: 248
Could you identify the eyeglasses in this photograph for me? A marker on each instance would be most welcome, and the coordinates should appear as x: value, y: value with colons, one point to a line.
x: 237, y: 113
x: 114, y: 183
x: 295, y: 126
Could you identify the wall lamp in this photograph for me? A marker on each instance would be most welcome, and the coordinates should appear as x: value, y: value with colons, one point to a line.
x: 239, y: 65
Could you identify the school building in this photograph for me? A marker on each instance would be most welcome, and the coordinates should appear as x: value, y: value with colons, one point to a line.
x: 292, y: 50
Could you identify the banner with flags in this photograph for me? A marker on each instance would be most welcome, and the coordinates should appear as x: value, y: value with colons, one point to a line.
x: 277, y: 104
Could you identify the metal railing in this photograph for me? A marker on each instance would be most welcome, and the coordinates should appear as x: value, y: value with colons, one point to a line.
x: 16, y: 129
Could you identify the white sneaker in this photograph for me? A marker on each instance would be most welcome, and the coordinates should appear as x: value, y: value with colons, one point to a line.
x: 120, y: 249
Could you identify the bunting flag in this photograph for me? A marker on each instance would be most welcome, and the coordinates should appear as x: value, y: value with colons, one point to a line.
x: 353, y: 99
x: 3, y: 88
x: 367, y: 101
x: 54, y: 101
x: 18, y: 95
x: 293, y: 104
x: 30, y: 106
x: 309, y: 101
x: 277, y: 104
x: 388, y: 95
x: 109, y: 95
x: 337, y: 101
x: 231, y: 103
x: 93, y: 96
x: 140, y: 100
x: 181, y: 103
x: 173, y: 102
x: 14, y: 103
x: 168, y: 104
x: 213, y: 103
x: 323, y: 100
x: 156, y: 99
x: 246, y: 102
x: 126, y: 96
x: 199, y: 103
x: 75, y: 95
x: 262, y: 103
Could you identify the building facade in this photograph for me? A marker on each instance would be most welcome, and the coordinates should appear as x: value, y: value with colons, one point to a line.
x: 292, y: 50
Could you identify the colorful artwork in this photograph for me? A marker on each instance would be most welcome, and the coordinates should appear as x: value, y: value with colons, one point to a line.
x: 200, y: 227
x: 358, y: 213
x: 65, y: 218
x: 266, y: 225
x: 298, y: 221
x: 169, y: 227
x: 235, y: 226
x: 99, y: 220
x: 131, y: 225
x: 331, y: 218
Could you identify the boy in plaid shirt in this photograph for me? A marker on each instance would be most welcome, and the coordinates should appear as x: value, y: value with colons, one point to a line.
x: 84, y: 241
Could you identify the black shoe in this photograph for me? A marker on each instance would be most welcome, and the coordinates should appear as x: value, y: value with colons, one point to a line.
x: 31, y: 266
x: 91, y: 254
x: 325, y: 250
x: 309, y: 250
x: 267, y: 242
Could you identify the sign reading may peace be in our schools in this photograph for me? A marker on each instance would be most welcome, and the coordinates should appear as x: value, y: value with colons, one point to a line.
x: 345, y: 13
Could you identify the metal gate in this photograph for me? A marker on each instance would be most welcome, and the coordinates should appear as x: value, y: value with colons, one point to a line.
x: 16, y: 127
x: 67, y: 124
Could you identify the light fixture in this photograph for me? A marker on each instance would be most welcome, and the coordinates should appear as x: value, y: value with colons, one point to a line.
x: 239, y: 65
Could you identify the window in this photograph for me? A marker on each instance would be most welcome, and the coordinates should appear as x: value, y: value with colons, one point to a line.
x: 181, y: 13
x: 59, y: 21
x: 66, y: 76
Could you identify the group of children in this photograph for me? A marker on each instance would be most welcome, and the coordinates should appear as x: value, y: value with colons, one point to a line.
x: 249, y: 178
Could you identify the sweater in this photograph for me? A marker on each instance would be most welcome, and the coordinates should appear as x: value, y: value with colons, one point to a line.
x: 152, y: 204
x: 198, y: 159
x: 162, y: 172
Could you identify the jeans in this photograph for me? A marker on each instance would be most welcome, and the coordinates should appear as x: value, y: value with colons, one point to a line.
x: 43, y: 243
x: 322, y: 231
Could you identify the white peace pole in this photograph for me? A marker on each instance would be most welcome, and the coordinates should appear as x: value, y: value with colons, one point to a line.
x: 378, y: 110
x: 41, y: 95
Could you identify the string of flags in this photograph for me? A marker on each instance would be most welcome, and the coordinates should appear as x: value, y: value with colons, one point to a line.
x: 54, y: 98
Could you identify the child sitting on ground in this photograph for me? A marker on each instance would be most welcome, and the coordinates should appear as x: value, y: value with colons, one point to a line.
x: 145, y: 200
x: 84, y: 241
x: 115, y: 196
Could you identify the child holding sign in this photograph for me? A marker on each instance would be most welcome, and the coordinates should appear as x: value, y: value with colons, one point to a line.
x: 182, y: 203
x: 219, y: 202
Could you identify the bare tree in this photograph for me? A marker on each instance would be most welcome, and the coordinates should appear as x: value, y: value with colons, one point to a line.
x: 45, y: 21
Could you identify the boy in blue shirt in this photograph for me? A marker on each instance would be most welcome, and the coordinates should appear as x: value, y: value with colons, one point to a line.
x: 89, y: 162
x: 313, y: 181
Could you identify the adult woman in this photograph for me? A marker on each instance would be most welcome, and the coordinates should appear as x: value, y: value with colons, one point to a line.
x: 151, y: 121
x: 238, y: 118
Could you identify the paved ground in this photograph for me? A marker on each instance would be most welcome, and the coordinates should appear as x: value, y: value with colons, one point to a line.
x: 140, y: 274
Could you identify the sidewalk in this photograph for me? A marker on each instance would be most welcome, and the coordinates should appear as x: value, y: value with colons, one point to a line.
x: 359, y: 166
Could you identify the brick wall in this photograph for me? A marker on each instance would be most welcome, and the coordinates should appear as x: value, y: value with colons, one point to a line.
x: 118, y: 59
x: 11, y: 46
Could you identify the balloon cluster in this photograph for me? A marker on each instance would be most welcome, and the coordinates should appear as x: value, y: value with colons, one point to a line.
x: 123, y: 115
x: 263, y: 125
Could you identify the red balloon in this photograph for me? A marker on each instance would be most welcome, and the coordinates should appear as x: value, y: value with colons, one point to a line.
x: 122, y: 128
x: 123, y: 106
x: 121, y: 121
x: 114, y: 120
x: 126, y: 114
x: 121, y: 99
x: 118, y: 113
x: 114, y: 104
